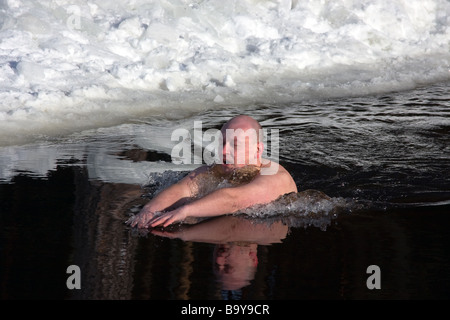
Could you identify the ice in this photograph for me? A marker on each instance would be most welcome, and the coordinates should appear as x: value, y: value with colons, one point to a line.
x: 70, y: 65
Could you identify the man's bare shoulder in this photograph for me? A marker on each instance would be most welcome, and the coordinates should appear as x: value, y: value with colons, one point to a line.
x: 199, y: 171
x: 279, y: 179
x: 274, y: 169
x: 195, y: 175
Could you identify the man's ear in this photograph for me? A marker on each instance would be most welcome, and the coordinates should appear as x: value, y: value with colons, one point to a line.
x: 259, y: 149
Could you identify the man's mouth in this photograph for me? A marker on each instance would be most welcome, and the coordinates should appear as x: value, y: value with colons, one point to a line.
x: 227, y: 166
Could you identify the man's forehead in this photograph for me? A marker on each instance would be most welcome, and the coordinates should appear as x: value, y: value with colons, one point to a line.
x: 236, y: 125
x: 239, y: 133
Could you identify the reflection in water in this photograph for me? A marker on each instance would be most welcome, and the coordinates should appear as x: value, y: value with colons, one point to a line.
x: 79, y: 221
x: 235, y: 267
x: 233, y: 257
x: 236, y: 240
x: 103, y: 248
x: 118, y: 265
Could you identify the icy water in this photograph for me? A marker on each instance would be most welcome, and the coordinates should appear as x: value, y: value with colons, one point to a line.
x: 92, y: 91
x: 382, y: 159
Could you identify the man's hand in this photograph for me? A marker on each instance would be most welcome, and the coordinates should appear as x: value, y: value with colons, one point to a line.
x: 168, y: 218
x: 147, y: 218
x: 142, y: 219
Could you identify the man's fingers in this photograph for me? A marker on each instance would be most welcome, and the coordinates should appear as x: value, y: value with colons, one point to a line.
x: 159, y: 220
x: 136, y: 221
x: 165, y: 234
x: 142, y: 219
x: 132, y: 221
x: 145, y: 220
x: 169, y: 221
x: 165, y: 219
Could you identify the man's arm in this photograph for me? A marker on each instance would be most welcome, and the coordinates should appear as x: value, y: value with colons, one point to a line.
x: 175, y: 195
x: 226, y: 229
x: 263, y: 189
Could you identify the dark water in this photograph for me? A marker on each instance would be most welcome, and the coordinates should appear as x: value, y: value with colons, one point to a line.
x: 63, y: 201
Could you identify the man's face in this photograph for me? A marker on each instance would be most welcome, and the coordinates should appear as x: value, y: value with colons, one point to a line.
x: 235, y: 265
x: 240, y: 147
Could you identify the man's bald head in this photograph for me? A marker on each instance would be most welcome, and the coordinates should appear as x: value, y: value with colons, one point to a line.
x: 242, y: 122
x: 242, y: 141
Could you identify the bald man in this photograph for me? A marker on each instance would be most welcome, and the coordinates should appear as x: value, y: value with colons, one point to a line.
x: 251, y: 180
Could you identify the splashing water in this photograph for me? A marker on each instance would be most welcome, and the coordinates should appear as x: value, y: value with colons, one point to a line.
x: 302, y: 209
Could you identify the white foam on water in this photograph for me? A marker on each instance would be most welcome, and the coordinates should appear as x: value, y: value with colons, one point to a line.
x: 304, y: 209
x: 69, y: 65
